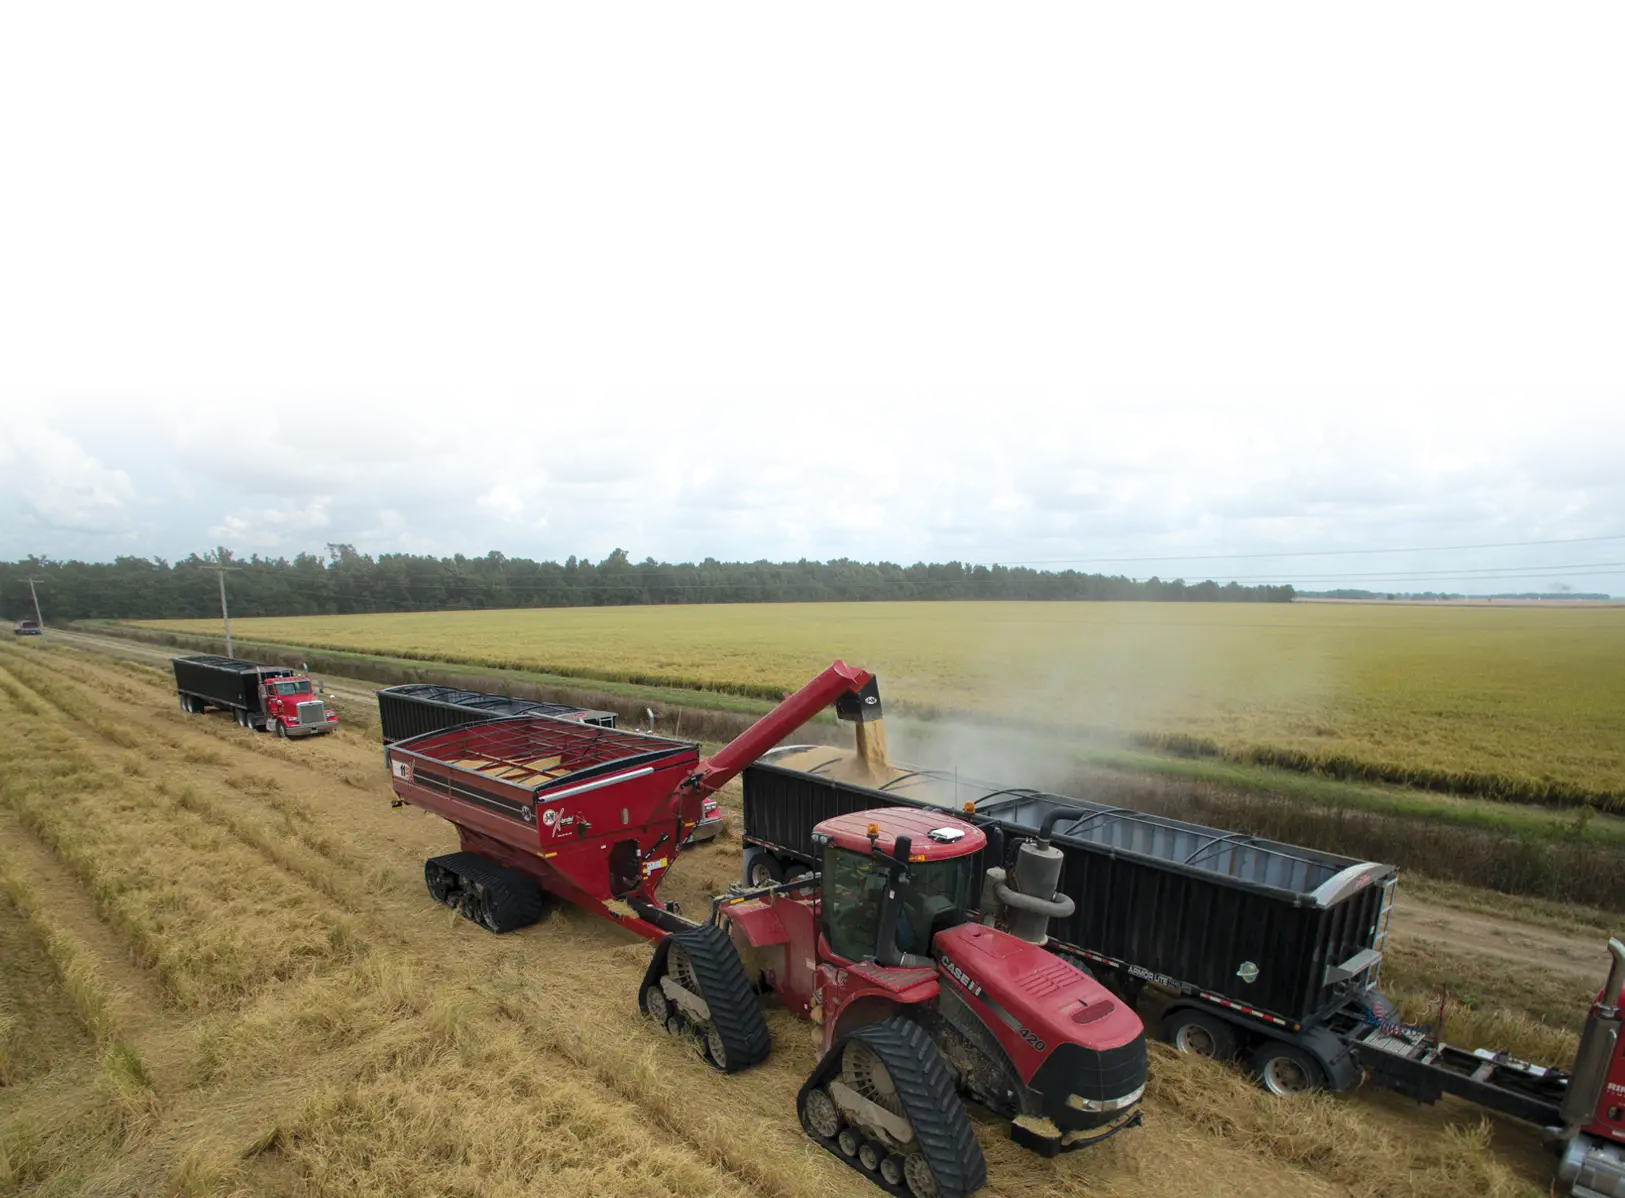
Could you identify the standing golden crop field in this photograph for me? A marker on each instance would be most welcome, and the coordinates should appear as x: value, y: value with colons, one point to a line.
x: 1532, y: 694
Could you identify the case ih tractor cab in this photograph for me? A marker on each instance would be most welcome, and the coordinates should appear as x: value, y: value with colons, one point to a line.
x: 917, y: 1004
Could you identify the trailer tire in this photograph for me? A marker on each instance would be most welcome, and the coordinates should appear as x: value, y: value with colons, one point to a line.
x: 1286, y: 1070
x: 764, y: 870
x: 1200, y: 1034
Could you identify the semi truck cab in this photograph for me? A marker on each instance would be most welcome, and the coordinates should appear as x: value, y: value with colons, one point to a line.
x: 293, y: 707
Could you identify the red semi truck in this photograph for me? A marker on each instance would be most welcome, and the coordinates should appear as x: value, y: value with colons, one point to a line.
x: 266, y: 698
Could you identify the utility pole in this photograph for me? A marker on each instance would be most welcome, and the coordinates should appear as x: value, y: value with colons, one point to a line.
x: 35, y: 594
x: 220, y: 573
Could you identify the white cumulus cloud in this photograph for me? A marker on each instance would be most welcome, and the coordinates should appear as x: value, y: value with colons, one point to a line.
x: 52, y: 488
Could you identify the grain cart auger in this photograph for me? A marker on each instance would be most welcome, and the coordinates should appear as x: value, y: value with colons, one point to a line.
x: 916, y: 1005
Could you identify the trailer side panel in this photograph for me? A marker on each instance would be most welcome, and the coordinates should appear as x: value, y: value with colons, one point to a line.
x: 420, y: 708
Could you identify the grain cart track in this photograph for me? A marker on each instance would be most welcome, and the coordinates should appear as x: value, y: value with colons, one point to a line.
x: 331, y: 1030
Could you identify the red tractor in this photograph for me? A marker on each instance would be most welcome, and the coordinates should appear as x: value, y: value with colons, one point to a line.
x: 918, y: 1005
x: 895, y: 948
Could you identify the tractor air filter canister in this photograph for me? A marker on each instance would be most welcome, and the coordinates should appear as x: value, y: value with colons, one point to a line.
x: 1038, y: 869
x: 992, y: 907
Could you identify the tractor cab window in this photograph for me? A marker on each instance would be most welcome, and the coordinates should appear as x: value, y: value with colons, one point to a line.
x: 937, y: 898
x: 293, y: 688
x: 855, y: 895
x: 854, y: 892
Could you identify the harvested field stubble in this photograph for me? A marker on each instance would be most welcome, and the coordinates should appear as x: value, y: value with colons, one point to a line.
x: 415, y: 1054
x: 1517, y: 702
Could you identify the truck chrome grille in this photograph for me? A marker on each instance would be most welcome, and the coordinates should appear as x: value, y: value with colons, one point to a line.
x: 312, y: 713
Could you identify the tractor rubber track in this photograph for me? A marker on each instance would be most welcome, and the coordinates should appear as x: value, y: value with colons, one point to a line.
x: 512, y: 900
x: 930, y: 1103
x: 736, y: 1012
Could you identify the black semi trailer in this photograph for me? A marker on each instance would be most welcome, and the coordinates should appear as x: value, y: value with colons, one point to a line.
x: 1268, y: 952
x: 421, y: 707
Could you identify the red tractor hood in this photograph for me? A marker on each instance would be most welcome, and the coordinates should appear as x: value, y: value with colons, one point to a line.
x: 1035, y: 995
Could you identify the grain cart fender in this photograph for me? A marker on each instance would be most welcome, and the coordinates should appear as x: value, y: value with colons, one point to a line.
x: 1327, y: 1049
x: 726, y: 1018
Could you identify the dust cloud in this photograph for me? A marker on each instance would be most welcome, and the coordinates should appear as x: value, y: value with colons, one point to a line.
x: 1053, y: 688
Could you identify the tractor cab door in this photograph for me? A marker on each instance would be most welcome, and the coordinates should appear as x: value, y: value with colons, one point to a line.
x: 854, y: 891
x: 936, y: 895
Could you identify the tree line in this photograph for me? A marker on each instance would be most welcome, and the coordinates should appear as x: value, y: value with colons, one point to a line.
x: 347, y: 581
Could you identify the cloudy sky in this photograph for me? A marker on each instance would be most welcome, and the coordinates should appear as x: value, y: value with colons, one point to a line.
x: 1135, y: 480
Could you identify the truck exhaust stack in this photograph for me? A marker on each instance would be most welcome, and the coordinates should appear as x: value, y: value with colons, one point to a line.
x: 1027, y: 897
x: 1596, y: 1051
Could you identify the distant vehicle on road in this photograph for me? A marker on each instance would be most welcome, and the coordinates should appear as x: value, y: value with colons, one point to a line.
x: 26, y: 628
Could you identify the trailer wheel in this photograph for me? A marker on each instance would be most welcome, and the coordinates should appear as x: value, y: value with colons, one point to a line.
x: 765, y: 870
x: 1200, y: 1034
x: 1286, y: 1070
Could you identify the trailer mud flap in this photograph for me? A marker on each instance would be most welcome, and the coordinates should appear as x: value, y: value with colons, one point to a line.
x: 728, y: 1022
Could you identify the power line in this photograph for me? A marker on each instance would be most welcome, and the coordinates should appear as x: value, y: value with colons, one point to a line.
x: 1479, y: 573
x: 1215, y: 557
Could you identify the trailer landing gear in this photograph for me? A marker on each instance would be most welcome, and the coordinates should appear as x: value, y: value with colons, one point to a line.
x: 695, y: 988
x: 881, y: 1100
x: 497, y: 899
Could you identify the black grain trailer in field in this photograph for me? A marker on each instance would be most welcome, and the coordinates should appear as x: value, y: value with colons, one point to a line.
x: 267, y: 698
x: 1266, y: 952
x: 421, y: 707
